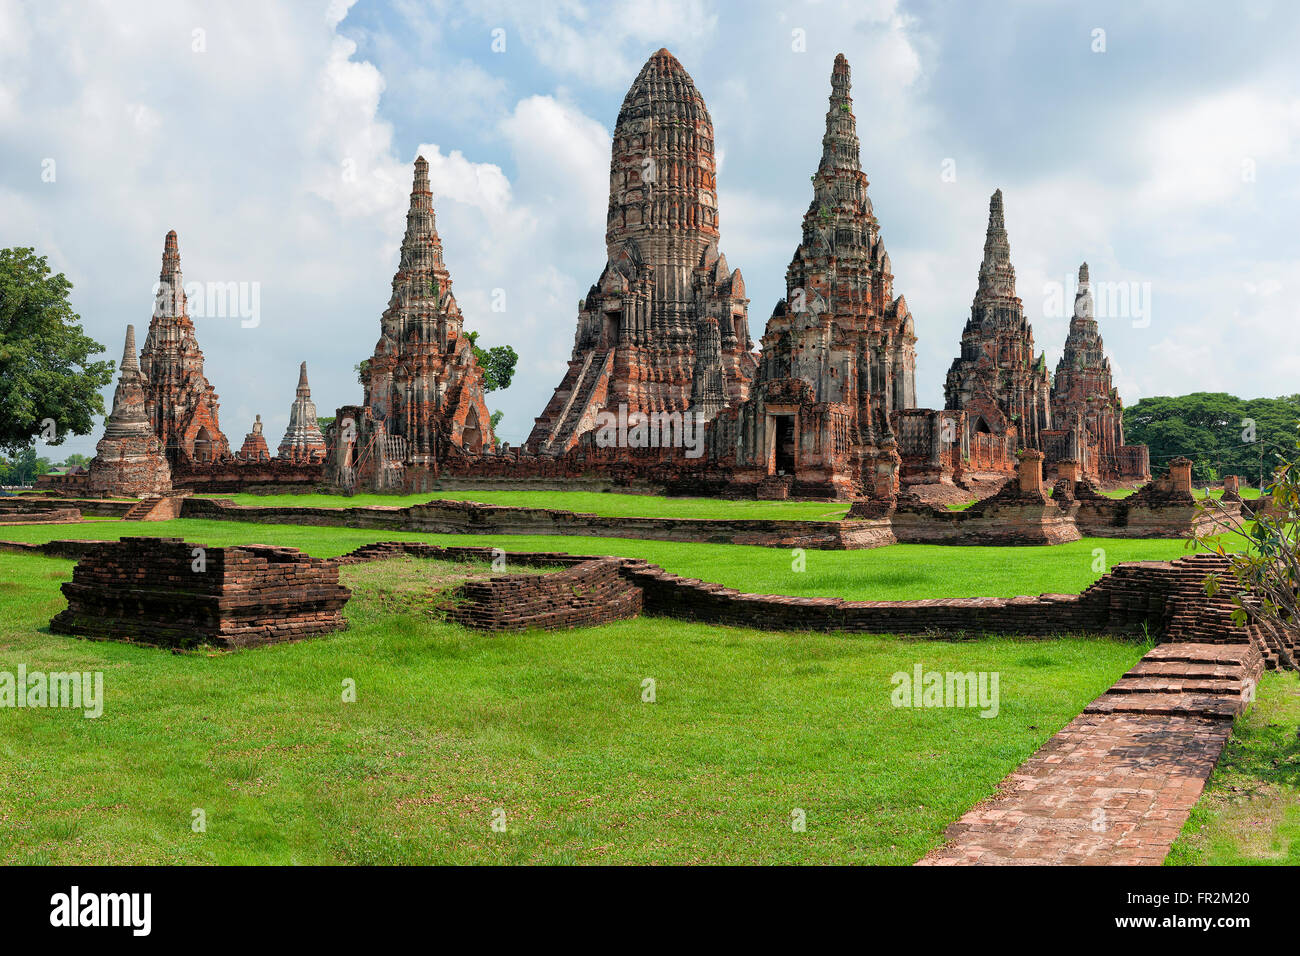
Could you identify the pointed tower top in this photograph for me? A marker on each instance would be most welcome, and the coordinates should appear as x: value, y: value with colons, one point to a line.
x: 1083, y: 308
x: 304, y: 389
x: 840, y: 146
x: 997, y: 277
x: 129, y: 358
x: 1083, y: 274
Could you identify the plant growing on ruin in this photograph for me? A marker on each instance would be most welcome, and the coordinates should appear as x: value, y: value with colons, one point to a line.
x: 1267, y: 568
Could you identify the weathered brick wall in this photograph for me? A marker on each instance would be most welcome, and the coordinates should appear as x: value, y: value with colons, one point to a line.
x: 467, y: 517
x: 589, y: 593
x: 151, y: 591
x: 16, y: 511
x: 234, y: 476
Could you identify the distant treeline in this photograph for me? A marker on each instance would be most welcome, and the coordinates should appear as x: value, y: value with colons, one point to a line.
x: 1220, y: 433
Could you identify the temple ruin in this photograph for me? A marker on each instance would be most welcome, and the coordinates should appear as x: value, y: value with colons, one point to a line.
x: 423, y: 387
x: 181, y: 403
x: 997, y: 379
x: 303, y: 440
x: 129, y: 460
x: 665, y: 328
x: 839, y: 350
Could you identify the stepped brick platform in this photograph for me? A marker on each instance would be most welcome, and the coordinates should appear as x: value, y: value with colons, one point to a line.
x: 160, y: 591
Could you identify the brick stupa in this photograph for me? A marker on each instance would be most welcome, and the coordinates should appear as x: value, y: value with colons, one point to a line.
x: 302, y: 440
x: 129, y: 459
x: 997, y: 380
x: 839, y: 351
x: 180, y: 402
x: 665, y: 327
x: 424, y: 390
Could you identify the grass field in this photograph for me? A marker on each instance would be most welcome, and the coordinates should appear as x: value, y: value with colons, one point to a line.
x: 899, y: 572
x: 607, y: 504
x: 1250, y: 812
x: 550, y: 729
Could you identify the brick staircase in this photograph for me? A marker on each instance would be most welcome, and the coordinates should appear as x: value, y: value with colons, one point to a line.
x: 1215, y: 681
x: 161, y: 508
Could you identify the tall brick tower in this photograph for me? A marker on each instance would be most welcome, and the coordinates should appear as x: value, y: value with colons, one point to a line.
x: 997, y: 379
x: 1082, y: 394
x: 129, y: 459
x: 665, y: 326
x: 180, y: 402
x: 423, y: 388
x: 839, y: 351
x: 302, y: 439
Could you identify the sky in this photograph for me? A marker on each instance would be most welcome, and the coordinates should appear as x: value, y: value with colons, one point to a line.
x: 1158, y: 141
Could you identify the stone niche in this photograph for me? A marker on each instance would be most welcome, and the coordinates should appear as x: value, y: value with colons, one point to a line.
x: 170, y: 593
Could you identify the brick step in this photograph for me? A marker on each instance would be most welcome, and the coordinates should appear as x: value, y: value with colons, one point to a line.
x: 1168, y: 705
x: 1146, y: 668
x: 1220, y: 687
x: 1203, y: 653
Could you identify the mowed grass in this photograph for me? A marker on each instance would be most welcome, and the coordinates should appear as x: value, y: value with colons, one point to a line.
x: 546, y: 732
x: 898, y: 572
x: 1250, y: 812
x: 609, y: 504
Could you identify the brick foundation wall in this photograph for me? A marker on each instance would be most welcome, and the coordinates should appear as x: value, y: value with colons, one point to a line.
x: 13, y: 512
x: 235, y: 476
x: 589, y: 593
x: 148, y: 591
x: 467, y: 517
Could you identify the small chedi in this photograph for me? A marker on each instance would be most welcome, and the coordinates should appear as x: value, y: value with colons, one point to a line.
x: 129, y: 459
x: 181, y: 403
x: 302, y: 440
x: 1087, y: 406
x: 254, y: 447
x: 665, y: 328
x: 838, y: 353
x: 423, y: 387
x: 997, y: 380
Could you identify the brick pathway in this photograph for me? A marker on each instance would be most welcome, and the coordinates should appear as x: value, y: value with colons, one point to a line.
x: 1117, y: 783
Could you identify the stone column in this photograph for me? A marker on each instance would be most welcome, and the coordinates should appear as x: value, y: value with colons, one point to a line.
x: 1031, y: 472
x: 1180, y: 475
x: 1067, y: 469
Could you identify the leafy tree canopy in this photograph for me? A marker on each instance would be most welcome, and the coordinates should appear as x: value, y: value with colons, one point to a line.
x: 498, y: 363
x: 49, y: 387
x: 1220, y: 433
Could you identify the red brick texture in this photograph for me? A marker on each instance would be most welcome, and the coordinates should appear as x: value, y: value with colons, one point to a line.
x: 150, y: 591
x: 593, y: 592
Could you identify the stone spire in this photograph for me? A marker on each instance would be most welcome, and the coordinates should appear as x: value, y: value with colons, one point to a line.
x: 302, y: 439
x: 840, y: 146
x: 128, y: 417
x: 997, y: 276
x: 128, y: 460
x: 181, y: 403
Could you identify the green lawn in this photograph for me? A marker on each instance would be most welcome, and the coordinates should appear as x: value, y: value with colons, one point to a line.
x: 450, y: 726
x: 1250, y: 812
x: 898, y: 572
x: 589, y: 502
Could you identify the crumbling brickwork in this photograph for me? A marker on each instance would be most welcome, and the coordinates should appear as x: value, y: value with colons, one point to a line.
x: 129, y: 459
x: 590, y: 593
x: 181, y: 404
x: 423, y: 387
x: 665, y: 327
x: 839, y: 352
x: 171, y: 593
x: 997, y: 379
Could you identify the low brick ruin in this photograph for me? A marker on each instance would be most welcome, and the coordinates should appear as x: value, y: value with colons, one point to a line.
x: 12, y: 511
x: 593, y: 592
x: 167, y: 592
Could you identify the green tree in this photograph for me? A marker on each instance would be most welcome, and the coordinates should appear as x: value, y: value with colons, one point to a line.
x: 1220, y: 433
x: 75, y: 461
x: 26, y: 467
x: 498, y: 363
x: 49, y: 387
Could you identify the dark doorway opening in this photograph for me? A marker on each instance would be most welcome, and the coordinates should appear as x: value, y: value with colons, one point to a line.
x: 785, y: 443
